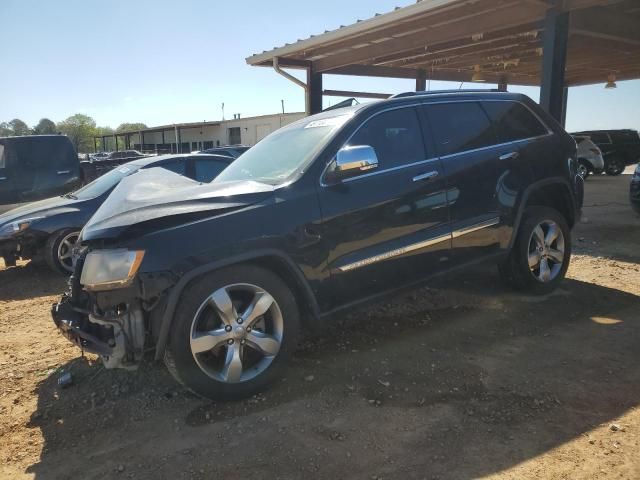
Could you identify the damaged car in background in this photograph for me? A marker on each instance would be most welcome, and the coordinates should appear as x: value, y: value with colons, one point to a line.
x: 323, y: 214
x: 49, y: 229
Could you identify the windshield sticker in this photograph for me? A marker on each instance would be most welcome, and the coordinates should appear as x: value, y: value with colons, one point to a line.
x: 328, y: 122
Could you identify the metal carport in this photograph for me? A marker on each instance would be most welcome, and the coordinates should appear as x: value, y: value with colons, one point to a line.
x: 554, y: 44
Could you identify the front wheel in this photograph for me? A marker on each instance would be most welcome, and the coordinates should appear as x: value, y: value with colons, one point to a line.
x: 584, y: 168
x: 58, y: 251
x: 233, y: 332
x: 540, y: 256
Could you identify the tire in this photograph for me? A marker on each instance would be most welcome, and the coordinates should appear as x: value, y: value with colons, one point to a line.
x: 199, y: 324
x: 584, y: 168
x: 614, y: 167
x: 516, y: 270
x: 58, y: 249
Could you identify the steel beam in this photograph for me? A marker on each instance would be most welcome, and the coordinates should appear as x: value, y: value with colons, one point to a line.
x: 314, y: 91
x: 554, y: 59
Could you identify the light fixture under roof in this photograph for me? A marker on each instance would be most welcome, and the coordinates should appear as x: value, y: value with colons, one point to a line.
x: 477, y: 75
x: 611, y: 81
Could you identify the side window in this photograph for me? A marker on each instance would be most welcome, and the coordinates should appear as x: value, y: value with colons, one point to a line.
x: 461, y: 126
x: 624, y: 137
x: 600, y: 138
x: 175, y: 166
x: 207, y: 169
x: 3, y: 162
x: 395, y: 136
x: 513, y: 121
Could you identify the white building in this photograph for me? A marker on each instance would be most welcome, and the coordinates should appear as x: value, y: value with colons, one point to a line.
x: 188, y: 137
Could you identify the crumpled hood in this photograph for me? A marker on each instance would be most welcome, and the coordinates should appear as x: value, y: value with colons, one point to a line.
x: 157, y: 193
x: 42, y: 208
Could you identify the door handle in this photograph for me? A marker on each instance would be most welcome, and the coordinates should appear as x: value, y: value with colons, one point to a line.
x: 509, y: 156
x: 425, y: 176
x: 63, y: 172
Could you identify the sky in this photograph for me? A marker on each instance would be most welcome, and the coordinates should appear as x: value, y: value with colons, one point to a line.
x: 162, y: 62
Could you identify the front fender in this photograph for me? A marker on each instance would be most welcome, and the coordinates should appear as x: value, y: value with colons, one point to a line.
x: 178, y: 288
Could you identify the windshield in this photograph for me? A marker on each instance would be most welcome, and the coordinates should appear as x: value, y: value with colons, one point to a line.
x: 284, y: 153
x: 104, y: 183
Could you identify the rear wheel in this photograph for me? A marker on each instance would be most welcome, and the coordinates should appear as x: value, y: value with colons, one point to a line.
x: 614, y: 166
x: 233, y: 332
x: 540, y: 256
x: 58, y: 251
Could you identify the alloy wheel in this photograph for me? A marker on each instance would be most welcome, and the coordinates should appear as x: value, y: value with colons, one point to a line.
x: 583, y: 171
x: 546, y: 251
x: 236, y: 333
x: 65, y: 250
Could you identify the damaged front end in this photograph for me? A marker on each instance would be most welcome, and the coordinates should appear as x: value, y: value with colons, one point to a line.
x: 114, y: 324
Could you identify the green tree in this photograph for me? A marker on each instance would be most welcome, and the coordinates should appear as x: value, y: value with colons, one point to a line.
x: 5, y: 130
x: 128, y: 127
x: 105, y: 132
x: 19, y: 127
x: 80, y: 129
x: 45, y: 127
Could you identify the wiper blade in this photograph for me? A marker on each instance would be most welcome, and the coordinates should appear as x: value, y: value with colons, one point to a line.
x: 70, y: 195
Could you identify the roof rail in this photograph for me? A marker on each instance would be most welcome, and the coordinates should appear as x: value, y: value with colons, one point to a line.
x: 434, y: 92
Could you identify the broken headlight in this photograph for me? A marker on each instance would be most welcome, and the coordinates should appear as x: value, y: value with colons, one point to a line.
x: 110, y: 269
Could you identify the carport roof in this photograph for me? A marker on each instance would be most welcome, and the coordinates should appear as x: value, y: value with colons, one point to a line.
x: 499, y: 41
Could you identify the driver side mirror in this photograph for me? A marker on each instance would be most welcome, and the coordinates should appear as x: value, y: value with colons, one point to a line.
x: 352, y: 160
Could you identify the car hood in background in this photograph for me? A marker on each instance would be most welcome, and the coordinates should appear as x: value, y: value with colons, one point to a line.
x: 157, y: 193
x: 42, y: 208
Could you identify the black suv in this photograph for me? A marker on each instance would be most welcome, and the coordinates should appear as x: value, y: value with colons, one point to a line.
x: 35, y: 167
x: 619, y: 148
x: 325, y: 213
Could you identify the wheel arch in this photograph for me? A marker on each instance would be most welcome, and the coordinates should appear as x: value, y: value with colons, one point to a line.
x: 552, y: 192
x: 272, y: 260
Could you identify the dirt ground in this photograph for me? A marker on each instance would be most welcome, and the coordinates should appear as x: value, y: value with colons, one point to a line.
x: 463, y: 379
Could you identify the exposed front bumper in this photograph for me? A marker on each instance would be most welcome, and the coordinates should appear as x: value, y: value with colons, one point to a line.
x: 75, y: 326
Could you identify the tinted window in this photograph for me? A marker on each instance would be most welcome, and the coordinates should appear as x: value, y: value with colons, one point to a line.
x: 460, y: 126
x: 395, y: 136
x: 207, y: 169
x: 513, y: 121
x: 624, y: 137
x: 599, y: 137
x: 175, y: 166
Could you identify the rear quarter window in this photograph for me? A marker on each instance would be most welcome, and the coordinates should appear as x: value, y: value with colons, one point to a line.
x: 513, y: 121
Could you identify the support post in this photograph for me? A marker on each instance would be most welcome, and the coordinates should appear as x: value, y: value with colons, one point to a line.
x: 95, y: 145
x: 142, y: 142
x: 565, y: 97
x: 115, y: 140
x: 556, y: 29
x: 421, y: 81
x: 502, y: 85
x: 314, y: 92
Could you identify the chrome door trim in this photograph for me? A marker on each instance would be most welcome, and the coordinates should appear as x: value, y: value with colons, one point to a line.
x: 394, y: 253
x: 475, y: 227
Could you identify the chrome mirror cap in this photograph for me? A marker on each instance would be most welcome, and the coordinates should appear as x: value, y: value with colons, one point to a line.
x: 355, y: 159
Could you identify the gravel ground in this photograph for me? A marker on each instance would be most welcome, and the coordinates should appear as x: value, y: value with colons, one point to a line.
x: 462, y: 379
